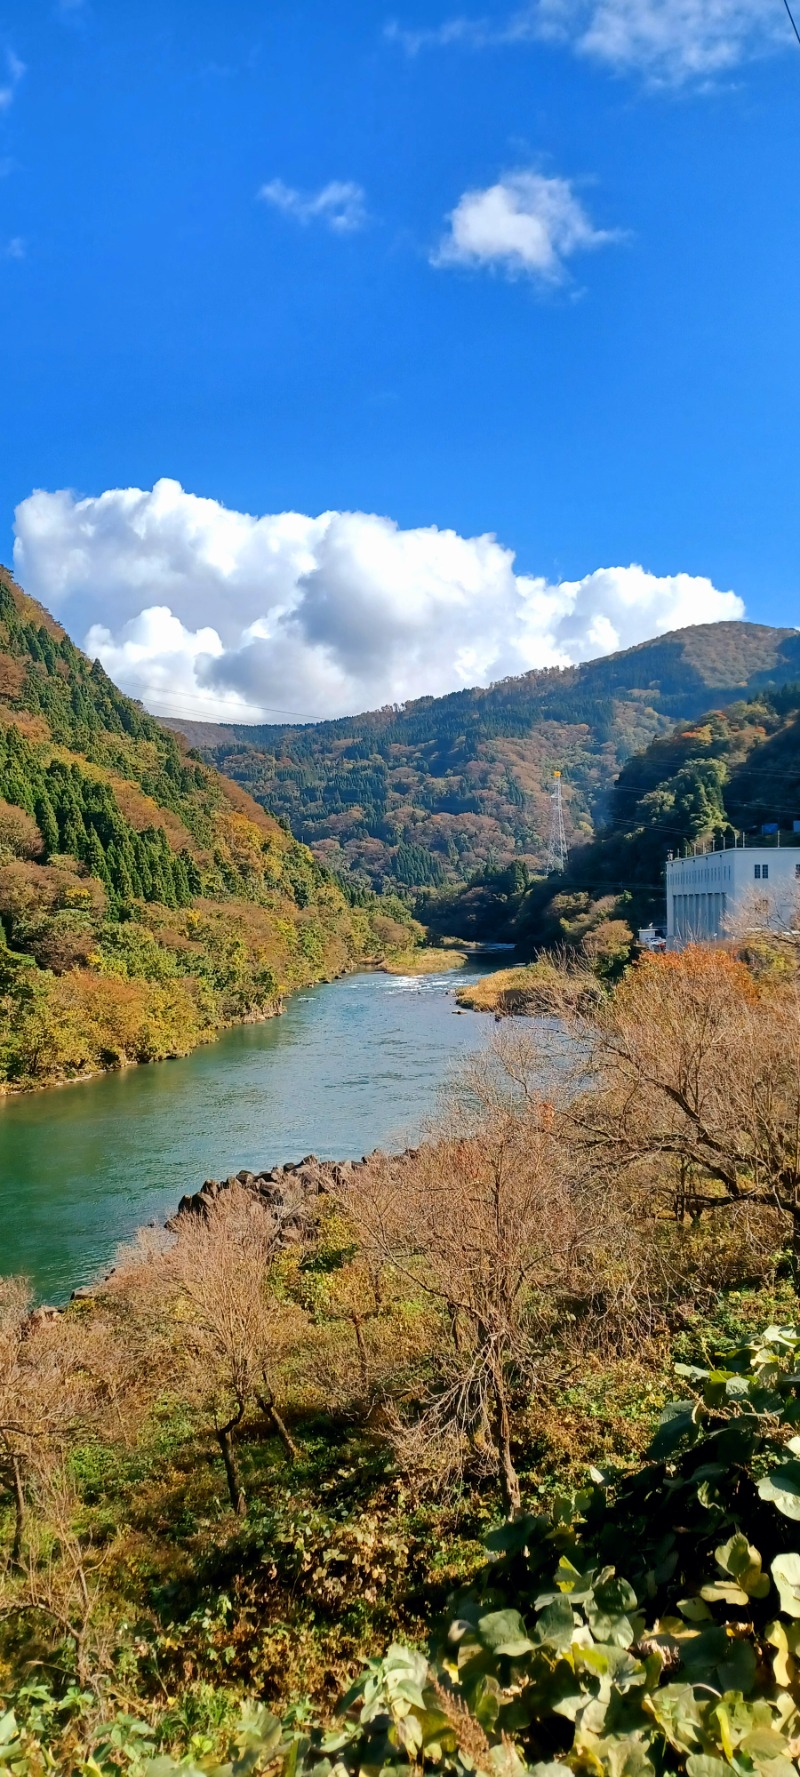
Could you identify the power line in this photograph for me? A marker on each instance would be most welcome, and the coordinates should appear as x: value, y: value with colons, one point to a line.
x: 792, y: 19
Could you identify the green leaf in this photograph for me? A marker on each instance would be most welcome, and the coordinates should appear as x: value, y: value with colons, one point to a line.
x: 718, y: 1593
x: 8, y: 1729
x: 676, y: 1423
x: 769, y: 1753
x: 555, y: 1626
x: 694, y: 1610
x: 786, y: 1574
x: 607, y: 1608
x: 517, y: 1535
x: 739, y: 1558
x: 700, y: 1764
x: 716, y: 1659
x: 782, y: 1488
x: 571, y: 1580
x: 503, y: 1632
x: 623, y: 1755
x: 679, y: 1715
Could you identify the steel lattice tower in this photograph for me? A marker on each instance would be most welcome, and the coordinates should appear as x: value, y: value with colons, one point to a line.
x: 557, y: 843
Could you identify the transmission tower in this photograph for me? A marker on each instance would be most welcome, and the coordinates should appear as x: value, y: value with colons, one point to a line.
x: 557, y: 843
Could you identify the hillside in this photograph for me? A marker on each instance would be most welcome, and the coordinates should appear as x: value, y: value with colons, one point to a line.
x: 735, y: 768
x: 428, y: 794
x: 144, y: 901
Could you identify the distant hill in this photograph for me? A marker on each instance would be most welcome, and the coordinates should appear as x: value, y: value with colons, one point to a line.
x: 734, y: 769
x: 429, y: 794
x: 144, y: 901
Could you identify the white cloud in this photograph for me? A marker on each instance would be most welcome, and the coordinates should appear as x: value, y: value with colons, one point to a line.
x: 668, y: 42
x: 15, y: 248
x: 201, y: 610
x: 526, y: 223
x: 13, y: 75
x: 341, y: 204
x: 472, y: 32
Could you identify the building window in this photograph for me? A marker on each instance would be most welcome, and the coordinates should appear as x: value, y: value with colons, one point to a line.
x: 765, y: 871
x: 757, y: 871
x: 797, y: 869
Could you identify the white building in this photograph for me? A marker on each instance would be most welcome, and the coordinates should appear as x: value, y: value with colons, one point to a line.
x: 708, y: 891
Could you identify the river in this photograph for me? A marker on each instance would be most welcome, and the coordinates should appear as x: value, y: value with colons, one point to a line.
x: 350, y: 1066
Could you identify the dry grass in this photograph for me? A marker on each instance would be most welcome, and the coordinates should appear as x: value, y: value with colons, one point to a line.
x: 424, y: 962
x: 508, y: 992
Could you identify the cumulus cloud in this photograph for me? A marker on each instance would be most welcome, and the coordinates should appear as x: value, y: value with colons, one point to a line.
x: 341, y: 204
x: 526, y: 223
x: 200, y: 610
x: 668, y: 42
x: 14, y: 70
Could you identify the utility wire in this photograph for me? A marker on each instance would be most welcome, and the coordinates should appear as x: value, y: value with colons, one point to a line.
x: 792, y: 19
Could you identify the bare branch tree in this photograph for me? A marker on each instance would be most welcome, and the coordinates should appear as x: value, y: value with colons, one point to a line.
x: 491, y: 1221
x: 231, y: 1329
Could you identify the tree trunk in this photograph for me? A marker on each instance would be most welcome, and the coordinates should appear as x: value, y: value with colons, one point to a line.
x: 236, y: 1491
x: 271, y: 1414
x: 794, y: 1250
x: 509, y: 1479
x: 363, y: 1360
x: 19, y: 1513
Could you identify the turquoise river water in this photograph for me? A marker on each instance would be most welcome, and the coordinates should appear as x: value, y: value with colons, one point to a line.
x: 350, y: 1066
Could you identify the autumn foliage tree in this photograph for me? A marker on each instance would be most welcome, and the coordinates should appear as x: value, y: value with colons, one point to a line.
x: 231, y: 1330
x: 693, y: 1068
x: 493, y: 1223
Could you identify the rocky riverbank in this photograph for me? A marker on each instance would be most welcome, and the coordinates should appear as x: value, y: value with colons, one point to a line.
x: 286, y: 1186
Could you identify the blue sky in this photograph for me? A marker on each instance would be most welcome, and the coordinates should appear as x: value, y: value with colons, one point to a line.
x: 226, y: 262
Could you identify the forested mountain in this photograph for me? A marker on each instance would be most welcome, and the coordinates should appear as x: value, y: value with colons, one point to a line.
x: 733, y: 770
x: 144, y: 901
x: 430, y: 793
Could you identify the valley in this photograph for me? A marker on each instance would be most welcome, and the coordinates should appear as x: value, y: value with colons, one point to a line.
x: 440, y: 790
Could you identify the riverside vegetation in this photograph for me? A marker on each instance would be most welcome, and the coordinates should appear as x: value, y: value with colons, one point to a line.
x: 380, y: 1468
x: 144, y: 902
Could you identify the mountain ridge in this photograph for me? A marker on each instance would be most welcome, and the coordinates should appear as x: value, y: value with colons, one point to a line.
x: 438, y: 789
x: 145, y: 902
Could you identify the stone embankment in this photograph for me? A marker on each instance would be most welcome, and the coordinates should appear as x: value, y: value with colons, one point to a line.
x: 284, y: 1187
x: 288, y: 1190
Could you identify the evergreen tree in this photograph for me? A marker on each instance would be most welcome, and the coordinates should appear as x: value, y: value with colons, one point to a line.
x: 74, y: 838
x: 46, y: 822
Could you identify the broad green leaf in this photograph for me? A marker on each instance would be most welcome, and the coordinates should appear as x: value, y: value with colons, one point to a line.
x: 769, y: 1753
x: 503, y: 1632
x: 556, y: 1625
x: 679, y: 1715
x: 786, y: 1574
x: 724, y: 1594
x: 518, y: 1534
x: 716, y: 1659
x: 694, y: 1610
x: 676, y: 1423
x: 571, y: 1580
x: 622, y: 1755
x: 742, y: 1561
x: 785, y: 1638
x: 701, y: 1764
x: 607, y: 1607
x: 8, y: 1728
x: 782, y: 1488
